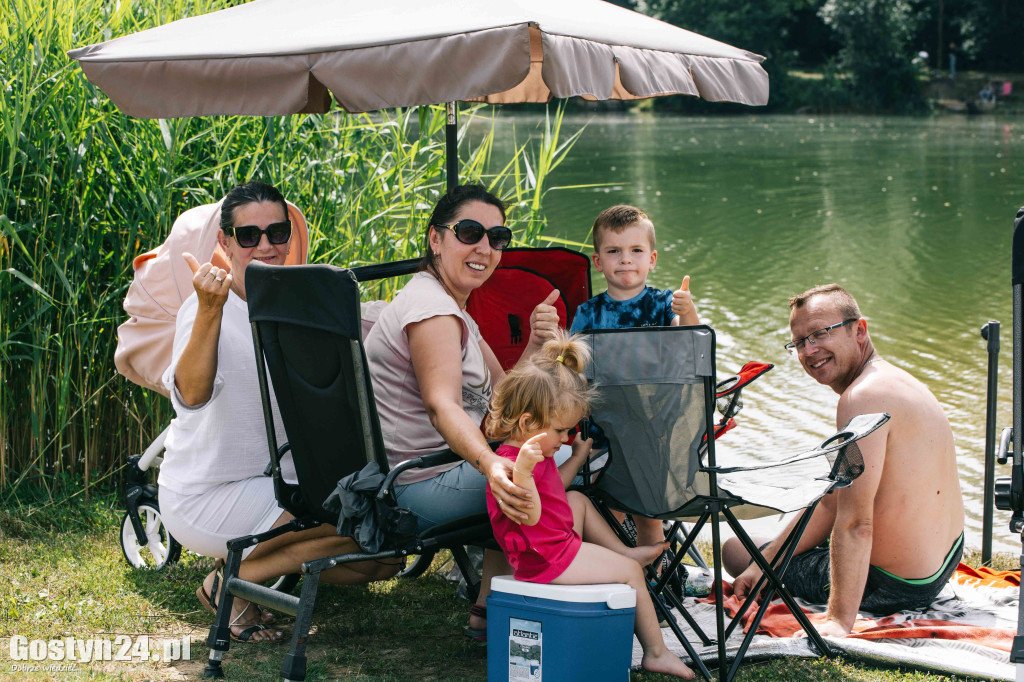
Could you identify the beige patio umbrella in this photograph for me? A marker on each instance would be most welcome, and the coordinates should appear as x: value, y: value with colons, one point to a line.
x: 273, y: 57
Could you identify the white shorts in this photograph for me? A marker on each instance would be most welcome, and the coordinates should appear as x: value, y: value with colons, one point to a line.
x: 204, y: 522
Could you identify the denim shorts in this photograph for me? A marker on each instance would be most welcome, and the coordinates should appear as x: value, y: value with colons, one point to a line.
x: 809, y: 578
x: 448, y: 496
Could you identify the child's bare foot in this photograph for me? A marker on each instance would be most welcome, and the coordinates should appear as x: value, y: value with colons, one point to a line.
x: 666, y: 663
x: 645, y: 554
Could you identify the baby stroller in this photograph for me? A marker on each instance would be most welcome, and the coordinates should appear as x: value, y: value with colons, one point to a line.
x: 161, y: 283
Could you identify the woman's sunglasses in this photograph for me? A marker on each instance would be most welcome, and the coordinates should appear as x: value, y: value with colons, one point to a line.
x: 470, y: 232
x: 249, y: 236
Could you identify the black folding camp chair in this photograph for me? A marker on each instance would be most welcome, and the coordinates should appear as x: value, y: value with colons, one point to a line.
x: 655, y: 404
x: 306, y: 329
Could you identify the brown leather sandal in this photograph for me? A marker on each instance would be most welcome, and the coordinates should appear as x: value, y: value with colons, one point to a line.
x: 209, y: 602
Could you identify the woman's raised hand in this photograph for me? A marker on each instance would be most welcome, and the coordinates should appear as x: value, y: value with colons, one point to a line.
x: 210, y: 282
x: 544, y: 320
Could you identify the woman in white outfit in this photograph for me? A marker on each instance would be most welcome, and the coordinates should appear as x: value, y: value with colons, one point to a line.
x: 212, y: 487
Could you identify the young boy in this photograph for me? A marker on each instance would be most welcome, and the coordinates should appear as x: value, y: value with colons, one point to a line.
x: 624, y: 250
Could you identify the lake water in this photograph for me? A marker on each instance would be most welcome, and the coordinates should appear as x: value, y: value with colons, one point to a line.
x: 913, y: 216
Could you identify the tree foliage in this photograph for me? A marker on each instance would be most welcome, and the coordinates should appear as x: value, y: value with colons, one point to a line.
x: 876, y: 50
x: 761, y: 27
x: 863, y: 48
x: 986, y: 32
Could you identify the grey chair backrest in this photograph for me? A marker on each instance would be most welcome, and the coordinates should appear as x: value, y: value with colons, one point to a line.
x: 655, y: 403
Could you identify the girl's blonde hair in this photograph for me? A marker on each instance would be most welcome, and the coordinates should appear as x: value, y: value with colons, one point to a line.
x: 545, y: 386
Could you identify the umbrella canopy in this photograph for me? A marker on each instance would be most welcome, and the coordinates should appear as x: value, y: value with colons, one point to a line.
x: 274, y: 57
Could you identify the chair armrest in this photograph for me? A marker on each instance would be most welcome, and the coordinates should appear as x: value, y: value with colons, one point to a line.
x: 281, y: 452
x: 858, y: 427
x: 421, y: 462
x: 370, y: 273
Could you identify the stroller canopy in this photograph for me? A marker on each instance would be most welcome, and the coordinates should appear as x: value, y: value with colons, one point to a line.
x: 161, y: 283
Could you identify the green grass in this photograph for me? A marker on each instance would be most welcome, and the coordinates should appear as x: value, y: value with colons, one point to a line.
x: 62, y: 574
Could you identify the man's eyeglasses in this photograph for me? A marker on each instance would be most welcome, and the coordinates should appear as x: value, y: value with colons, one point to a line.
x: 814, y: 338
x: 249, y: 236
x: 469, y: 231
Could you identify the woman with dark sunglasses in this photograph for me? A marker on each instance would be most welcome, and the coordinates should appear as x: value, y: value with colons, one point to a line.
x: 433, y: 373
x: 212, y: 487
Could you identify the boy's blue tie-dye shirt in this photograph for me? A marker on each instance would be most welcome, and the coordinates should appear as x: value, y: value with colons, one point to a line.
x: 650, y: 308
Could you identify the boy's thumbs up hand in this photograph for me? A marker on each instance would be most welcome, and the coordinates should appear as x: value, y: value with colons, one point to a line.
x: 682, y: 304
x: 544, y: 320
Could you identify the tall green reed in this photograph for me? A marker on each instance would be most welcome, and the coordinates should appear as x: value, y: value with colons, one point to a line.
x: 84, y: 189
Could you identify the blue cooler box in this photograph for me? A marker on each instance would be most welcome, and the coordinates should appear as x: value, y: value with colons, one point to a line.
x: 559, y: 633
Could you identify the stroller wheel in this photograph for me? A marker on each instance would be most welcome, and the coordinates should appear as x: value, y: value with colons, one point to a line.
x: 160, y: 549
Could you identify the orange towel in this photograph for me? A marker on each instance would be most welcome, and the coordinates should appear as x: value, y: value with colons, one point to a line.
x: 965, y: 575
x: 778, y: 622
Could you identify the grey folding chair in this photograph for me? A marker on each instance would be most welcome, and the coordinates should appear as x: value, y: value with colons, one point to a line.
x: 655, y: 405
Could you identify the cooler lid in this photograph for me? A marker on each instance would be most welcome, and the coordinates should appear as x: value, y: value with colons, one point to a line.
x: 614, y: 595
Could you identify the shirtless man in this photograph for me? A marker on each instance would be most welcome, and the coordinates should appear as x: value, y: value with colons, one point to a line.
x: 896, y: 534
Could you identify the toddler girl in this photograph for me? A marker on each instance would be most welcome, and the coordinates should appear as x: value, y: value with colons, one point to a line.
x: 532, y: 410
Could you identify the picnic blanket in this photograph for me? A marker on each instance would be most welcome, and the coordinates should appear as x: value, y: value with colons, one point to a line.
x: 968, y: 630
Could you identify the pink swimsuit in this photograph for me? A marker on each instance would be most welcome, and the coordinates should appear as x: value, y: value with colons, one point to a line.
x: 539, y: 553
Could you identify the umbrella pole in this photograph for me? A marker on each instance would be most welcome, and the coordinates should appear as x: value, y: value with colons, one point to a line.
x: 990, y: 332
x: 451, y: 144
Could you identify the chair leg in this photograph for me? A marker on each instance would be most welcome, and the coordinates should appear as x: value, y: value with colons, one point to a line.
x: 613, y: 523
x: 690, y: 651
x: 466, y: 568
x: 749, y: 638
x: 661, y: 584
x: 293, y: 667
x: 418, y: 566
x: 677, y: 602
x: 219, y: 639
x: 776, y: 583
x: 716, y: 549
x: 779, y: 564
x: 687, y: 545
x: 676, y: 536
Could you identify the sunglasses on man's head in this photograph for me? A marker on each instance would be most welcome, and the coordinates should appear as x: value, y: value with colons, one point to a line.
x: 470, y: 232
x: 249, y: 236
